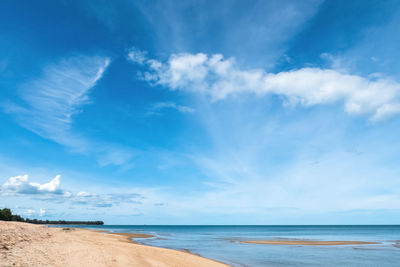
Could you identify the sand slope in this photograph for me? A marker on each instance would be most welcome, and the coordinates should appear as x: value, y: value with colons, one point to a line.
x: 23, y: 244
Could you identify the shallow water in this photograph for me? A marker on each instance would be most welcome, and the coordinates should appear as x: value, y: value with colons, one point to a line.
x: 222, y: 243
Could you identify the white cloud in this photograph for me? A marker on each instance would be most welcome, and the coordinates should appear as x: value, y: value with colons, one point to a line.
x: 157, y: 107
x: 20, y: 184
x: 51, y: 186
x: 220, y: 78
x: 137, y: 55
x: 29, y: 212
x: 42, y: 212
x: 115, y: 155
x: 83, y: 194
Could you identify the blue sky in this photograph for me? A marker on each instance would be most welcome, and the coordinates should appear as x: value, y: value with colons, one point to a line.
x: 201, y: 112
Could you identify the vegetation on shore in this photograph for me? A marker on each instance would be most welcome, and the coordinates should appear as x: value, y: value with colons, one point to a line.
x: 6, y: 215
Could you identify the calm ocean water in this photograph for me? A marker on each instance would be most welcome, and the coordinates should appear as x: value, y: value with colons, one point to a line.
x: 221, y: 243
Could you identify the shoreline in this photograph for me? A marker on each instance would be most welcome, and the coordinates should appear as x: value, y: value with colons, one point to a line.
x: 24, y: 244
x: 128, y: 237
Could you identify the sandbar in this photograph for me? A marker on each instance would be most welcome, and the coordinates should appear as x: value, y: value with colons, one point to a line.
x: 307, y: 242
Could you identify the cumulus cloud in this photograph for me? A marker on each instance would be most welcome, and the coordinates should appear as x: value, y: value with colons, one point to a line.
x: 378, y: 98
x: 156, y: 108
x: 21, y: 185
x: 51, y: 191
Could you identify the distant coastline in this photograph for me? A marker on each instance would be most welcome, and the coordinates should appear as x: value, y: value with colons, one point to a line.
x: 6, y: 215
x: 63, y: 222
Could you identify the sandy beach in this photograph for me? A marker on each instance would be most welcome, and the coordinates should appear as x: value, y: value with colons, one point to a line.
x: 23, y: 244
x: 307, y: 242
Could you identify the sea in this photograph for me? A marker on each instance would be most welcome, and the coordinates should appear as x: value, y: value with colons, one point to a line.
x: 222, y: 243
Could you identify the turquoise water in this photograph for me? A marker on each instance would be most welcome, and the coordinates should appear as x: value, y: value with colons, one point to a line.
x: 222, y: 243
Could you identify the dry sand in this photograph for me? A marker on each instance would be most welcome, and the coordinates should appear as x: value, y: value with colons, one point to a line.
x: 307, y: 242
x: 23, y: 244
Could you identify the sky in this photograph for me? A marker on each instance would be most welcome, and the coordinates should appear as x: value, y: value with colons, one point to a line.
x: 201, y: 112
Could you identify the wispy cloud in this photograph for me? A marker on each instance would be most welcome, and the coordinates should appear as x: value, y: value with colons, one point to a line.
x: 378, y: 98
x: 50, y: 102
x: 157, y: 108
x: 253, y: 31
x: 54, y: 98
x: 106, y: 200
x: 137, y: 55
x: 300, y: 189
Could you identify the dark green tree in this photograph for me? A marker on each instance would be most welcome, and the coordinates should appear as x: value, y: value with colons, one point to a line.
x: 5, y: 214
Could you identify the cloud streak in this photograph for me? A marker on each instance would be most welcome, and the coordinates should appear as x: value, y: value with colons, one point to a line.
x: 156, y: 108
x: 221, y: 78
x: 106, y: 200
x: 51, y: 101
x: 57, y: 95
x: 244, y: 29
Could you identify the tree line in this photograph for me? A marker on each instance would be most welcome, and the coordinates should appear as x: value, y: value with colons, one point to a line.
x: 6, y: 215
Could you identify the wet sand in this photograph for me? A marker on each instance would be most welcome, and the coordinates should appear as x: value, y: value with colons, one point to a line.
x: 132, y: 235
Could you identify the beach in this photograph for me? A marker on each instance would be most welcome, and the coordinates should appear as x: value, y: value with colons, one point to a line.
x: 23, y: 244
